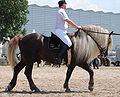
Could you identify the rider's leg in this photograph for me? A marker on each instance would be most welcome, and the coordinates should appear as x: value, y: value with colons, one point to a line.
x: 61, y: 52
x: 67, y: 44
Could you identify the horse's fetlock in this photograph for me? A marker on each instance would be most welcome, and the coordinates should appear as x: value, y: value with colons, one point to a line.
x: 25, y: 73
x: 65, y: 86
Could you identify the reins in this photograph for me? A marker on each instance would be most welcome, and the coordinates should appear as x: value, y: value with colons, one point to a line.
x: 103, y: 51
x: 111, y: 33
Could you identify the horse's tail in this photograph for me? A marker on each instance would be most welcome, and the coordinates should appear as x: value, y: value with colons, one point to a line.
x: 12, y: 47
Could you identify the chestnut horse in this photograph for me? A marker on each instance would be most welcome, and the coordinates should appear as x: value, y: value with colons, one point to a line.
x: 32, y: 47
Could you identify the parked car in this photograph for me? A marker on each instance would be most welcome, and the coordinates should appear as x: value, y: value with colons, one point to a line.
x: 117, y: 58
x: 114, y: 56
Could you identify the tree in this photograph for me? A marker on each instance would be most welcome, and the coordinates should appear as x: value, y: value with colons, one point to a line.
x: 13, y: 16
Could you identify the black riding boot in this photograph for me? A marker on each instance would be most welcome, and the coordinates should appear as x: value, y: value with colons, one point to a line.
x: 58, y: 59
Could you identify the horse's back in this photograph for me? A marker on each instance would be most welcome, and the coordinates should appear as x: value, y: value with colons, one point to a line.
x: 30, y: 44
x: 31, y: 37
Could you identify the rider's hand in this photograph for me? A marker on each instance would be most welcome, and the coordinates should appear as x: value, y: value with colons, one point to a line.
x: 79, y: 28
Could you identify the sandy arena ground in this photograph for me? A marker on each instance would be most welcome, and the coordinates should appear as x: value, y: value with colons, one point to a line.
x: 50, y: 81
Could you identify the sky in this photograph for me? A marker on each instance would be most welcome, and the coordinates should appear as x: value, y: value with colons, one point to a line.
x: 95, y: 5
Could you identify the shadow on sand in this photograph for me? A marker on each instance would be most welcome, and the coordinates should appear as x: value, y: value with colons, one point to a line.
x: 41, y: 92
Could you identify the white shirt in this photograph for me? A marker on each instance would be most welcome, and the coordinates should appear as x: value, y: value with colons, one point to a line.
x: 60, y: 19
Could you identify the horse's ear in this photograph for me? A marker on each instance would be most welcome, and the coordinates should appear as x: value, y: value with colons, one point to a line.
x: 51, y: 33
x: 111, y: 33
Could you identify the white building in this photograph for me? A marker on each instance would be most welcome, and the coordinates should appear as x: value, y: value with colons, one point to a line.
x: 43, y: 19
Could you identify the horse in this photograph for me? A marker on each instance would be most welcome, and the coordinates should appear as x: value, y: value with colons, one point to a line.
x: 32, y: 48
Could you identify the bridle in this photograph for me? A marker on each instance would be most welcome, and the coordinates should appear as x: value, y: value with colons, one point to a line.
x: 103, y: 50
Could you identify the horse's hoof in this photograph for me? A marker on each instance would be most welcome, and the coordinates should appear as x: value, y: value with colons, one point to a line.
x: 36, y: 90
x: 67, y: 90
x: 65, y: 86
x: 90, y: 88
x: 9, y: 88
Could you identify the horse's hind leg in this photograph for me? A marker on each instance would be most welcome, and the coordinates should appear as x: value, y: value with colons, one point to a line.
x: 28, y: 73
x: 17, y: 69
x: 68, y: 75
x: 91, y: 73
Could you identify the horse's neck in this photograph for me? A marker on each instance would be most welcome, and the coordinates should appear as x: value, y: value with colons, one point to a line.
x: 46, y: 41
x: 101, y: 39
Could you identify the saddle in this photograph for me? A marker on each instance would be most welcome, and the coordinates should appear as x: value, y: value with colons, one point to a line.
x: 55, y: 42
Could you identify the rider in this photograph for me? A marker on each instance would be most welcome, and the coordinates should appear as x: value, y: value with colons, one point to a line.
x: 62, y: 22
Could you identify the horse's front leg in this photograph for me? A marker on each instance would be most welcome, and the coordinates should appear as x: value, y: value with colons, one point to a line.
x: 91, y: 82
x: 91, y: 73
x: 68, y: 75
x: 17, y: 69
x: 28, y: 73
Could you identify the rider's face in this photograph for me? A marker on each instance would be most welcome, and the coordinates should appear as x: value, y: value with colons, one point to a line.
x: 64, y: 6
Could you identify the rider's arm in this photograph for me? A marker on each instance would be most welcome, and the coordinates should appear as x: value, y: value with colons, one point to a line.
x: 72, y: 24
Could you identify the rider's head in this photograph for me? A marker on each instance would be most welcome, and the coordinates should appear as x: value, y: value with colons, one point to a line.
x: 62, y: 4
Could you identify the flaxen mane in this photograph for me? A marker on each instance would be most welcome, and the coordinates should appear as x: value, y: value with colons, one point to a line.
x: 85, y: 47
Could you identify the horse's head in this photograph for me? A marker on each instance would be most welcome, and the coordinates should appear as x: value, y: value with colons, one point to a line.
x: 86, y: 42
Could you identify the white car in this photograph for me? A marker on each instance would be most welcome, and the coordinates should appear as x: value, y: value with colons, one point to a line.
x: 114, y: 56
